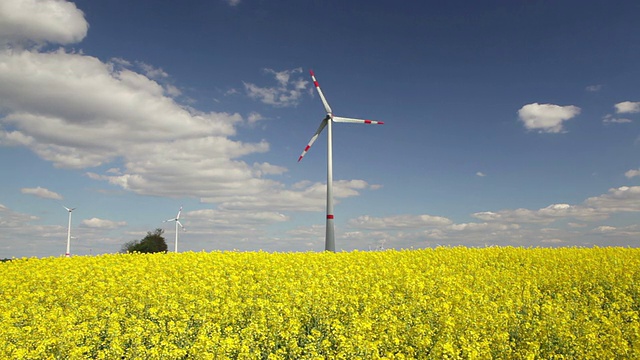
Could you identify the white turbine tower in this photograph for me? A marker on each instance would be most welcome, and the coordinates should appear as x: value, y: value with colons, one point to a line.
x: 177, y: 220
x: 68, y: 253
x: 330, y: 243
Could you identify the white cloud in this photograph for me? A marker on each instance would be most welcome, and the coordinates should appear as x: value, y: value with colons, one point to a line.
x: 304, y: 196
x: 593, y: 88
x: 576, y: 225
x: 172, y: 91
x: 151, y: 71
x: 41, y: 21
x: 632, y: 173
x: 627, y: 107
x: 41, y: 192
x: 13, y: 219
x: 622, y: 199
x: 521, y: 227
x: 121, y: 62
x: 231, y: 92
x: 609, y: 119
x: 268, y: 169
x: 546, y: 118
x: 287, y: 93
x: 43, y: 240
x: 233, y: 2
x: 545, y: 215
x: 398, y: 221
x: 552, y: 241
x: 78, y: 112
x: 604, y: 229
x: 481, y: 174
x: 217, y: 218
x: 102, y: 223
x: 254, y: 117
x: 483, y: 227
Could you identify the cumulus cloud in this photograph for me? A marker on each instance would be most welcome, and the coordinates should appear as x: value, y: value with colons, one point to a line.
x: 627, y: 107
x: 482, y: 227
x: 481, y: 174
x: 254, y: 117
x: 151, y: 71
x: 79, y: 112
x: 304, y: 196
x: 102, y: 223
x: 398, y: 221
x: 619, y: 233
x: 632, y: 173
x: 604, y: 229
x: 41, y: 21
x: 545, y: 215
x: 610, y: 119
x: 13, y: 219
x: 42, y: 193
x: 622, y: 199
x: 218, y: 218
x: 287, y: 93
x: 233, y: 2
x: 546, y: 118
x: 520, y: 227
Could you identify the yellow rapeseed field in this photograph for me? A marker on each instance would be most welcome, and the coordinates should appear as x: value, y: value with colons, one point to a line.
x: 444, y: 303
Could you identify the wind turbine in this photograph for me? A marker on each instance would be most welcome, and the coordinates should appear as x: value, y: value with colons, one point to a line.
x: 68, y: 253
x: 177, y: 220
x: 330, y: 243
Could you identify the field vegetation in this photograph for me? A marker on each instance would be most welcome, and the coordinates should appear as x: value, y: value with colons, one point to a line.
x: 455, y: 303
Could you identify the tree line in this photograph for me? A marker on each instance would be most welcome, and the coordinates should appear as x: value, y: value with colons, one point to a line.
x: 152, y: 243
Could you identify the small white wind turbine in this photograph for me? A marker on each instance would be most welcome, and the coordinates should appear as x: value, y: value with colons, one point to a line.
x: 177, y: 220
x: 330, y: 244
x: 68, y: 253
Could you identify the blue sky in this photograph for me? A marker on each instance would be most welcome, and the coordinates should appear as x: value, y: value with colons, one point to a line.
x: 507, y: 123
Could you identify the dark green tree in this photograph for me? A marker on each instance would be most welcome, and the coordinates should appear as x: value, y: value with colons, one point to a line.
x: 152, y: 243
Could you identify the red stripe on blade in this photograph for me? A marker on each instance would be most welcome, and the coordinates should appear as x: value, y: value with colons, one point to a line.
x: 307, y: 148
x: 367, y: 121
x: 329, y: 216
x: 316, y: 84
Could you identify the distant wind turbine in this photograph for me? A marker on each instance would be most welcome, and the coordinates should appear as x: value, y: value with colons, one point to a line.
x: 330, y: 243
x: 177, y: 220
x: 68, y: 253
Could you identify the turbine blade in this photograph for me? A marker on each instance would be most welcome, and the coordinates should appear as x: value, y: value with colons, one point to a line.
x: 324, y: 101
x: 355, y: 121
x: 179, y: 211
x: 170, y: 220
x: 314, y: 137
x: 179, y: 223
